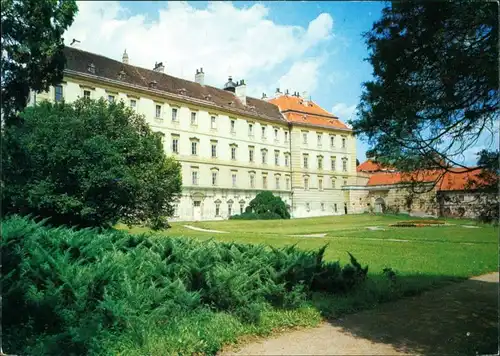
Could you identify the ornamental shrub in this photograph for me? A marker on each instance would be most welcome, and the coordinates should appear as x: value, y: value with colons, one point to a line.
x: 265, y: 206
x: 75, y: 292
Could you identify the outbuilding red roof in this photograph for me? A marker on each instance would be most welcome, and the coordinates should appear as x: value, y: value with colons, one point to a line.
x: 456, y: 179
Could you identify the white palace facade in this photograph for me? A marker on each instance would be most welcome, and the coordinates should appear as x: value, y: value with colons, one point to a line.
x: 230, y: 146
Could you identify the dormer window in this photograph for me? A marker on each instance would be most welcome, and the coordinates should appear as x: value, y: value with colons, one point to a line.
x: 121, y: 75
x: 153, y: 84
x: 182, y: 91
x: 91, y: 68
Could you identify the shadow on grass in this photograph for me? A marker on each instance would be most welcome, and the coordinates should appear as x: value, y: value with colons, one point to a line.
x: 459, y: 318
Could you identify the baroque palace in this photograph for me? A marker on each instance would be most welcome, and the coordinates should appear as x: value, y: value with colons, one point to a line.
x: 231, y: 146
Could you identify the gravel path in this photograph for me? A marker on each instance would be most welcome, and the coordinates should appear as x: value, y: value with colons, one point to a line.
x: 460, y: 318
x: 204, y: 230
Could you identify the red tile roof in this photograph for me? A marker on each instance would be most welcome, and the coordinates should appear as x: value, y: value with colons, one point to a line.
x: 308, y: 119
x: 457, y: 179
x: 300, y: 111
x: 369, y: 166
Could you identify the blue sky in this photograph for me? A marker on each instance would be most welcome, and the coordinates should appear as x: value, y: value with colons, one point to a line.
x: 300, y: 46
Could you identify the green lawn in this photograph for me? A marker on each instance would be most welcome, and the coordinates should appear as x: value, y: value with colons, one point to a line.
x: 448, y: 251
x: 423, y: 258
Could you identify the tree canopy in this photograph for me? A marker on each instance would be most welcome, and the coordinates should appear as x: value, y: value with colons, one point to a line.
x: 32, y: 48
x: 435, y: 89
x: 88, y: 163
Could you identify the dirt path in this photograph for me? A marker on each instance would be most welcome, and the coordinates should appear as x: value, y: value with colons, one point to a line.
x: 458, y: 319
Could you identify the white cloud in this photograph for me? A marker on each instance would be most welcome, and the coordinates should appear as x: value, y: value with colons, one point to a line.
x: 221, y: 38
x: 343, y: 111
x: 302, y: 76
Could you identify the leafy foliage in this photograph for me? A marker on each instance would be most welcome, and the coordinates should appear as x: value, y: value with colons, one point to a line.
x: 87, y: 164
x: 69, y: 291
x: 32, y: 48
x: 435, y: 92
x: 265, y: 206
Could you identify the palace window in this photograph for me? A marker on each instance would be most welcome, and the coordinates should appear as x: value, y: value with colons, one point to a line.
x: 343, y: 142
x: 194, y: 148
x: 333, y: 163
x: 263, y: 132
x: 320, y: 162
x: 174, y: 114
x: 213, y: 122
x: 214, y: 149
x: 193, y: 118
x: 158, y: 111
x: 264, y: 157
x: 286, y: 159
x: 306, y: 183
x: 287, y: 183
x: 264, y: 182
x: 250, y: 130
x: 344, y: 165
x: 217, y: 209
x: 277, y: 158
x: 175, y: 144
x: 233, y: 178
x: 58, y: 93
x: 233, y: 126
x: 286, y: 136
x: 86, y: 95
x: 277, y: 182
x: 252, y: 181
x: 111, y: 98
x: 214, y: 178
x: 304, y: 137
x: 320, y: 184
x: 319, y: 140
x: 194, y: 177
x: 233, y: 152
x: 306, y: 161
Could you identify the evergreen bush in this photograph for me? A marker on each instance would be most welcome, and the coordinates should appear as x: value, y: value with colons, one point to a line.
x: 265, y: 206
x: 75, y: 292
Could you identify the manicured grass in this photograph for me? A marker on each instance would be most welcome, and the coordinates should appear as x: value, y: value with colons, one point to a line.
x: 452, y: 251
x: 423, y: 258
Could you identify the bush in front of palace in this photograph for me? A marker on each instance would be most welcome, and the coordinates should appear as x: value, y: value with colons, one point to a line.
x: 265, y: 206
x: 87, y: 164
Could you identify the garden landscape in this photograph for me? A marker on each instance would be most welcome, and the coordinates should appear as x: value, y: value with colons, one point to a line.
x: 143, y: 213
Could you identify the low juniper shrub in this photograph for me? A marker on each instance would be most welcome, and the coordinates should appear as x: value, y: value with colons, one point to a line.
x: 68, y: 292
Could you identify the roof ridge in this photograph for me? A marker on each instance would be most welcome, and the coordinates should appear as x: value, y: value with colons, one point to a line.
x: 136, y: 67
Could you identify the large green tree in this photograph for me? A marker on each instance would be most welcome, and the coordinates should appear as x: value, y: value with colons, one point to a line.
x: 87, y: 164
x: 434, y: 92
x: 32, y: 48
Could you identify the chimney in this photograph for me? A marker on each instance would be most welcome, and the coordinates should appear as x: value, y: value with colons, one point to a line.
x: 306, y: 97
x: 159, y: 67
x: 278, y: 93
x: 200, y: 77
x: 241, y: 92
x: 125, y: 57
x: 264, y: 96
